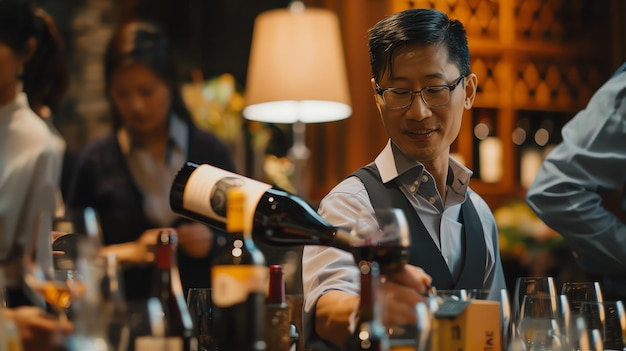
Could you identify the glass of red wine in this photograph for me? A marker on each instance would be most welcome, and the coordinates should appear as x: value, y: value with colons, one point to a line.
x: 381, y: 236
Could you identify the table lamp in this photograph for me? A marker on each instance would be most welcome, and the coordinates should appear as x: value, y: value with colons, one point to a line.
x: 297, y: 75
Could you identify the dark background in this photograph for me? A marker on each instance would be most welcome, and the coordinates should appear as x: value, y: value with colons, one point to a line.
x: 213, y: 35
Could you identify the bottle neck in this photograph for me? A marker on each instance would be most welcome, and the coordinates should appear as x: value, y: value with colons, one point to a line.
x: 167, y: 278
x: 276, y: 293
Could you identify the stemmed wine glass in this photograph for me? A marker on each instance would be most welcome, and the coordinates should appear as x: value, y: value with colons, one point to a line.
x: 59, y: 287
x: 609, y: 318
x: 383, y: 237
x: 539, y: 323
x: 543, y: 286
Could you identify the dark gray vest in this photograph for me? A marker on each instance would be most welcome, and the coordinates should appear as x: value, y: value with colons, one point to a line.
x: 424, y: 252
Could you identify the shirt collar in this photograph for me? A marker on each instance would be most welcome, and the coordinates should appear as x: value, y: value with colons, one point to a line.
x: 391, y: 163
x: 178, y: 136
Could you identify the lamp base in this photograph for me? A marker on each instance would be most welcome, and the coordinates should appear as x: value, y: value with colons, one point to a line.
x: 299, y: 154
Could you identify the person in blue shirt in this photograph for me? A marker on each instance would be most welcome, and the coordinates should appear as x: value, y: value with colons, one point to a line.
x: 568, y: 189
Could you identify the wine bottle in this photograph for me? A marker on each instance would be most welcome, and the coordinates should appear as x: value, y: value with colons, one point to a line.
x: 279, y: 218
x: 239, y: 278
x: 369, y: 334
x: 277, y: 328
x: 174, y: 331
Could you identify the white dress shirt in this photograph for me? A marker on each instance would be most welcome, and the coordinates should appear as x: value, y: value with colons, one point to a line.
x: 27, y: 182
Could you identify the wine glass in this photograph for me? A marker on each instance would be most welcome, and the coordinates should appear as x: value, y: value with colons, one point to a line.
x: 383, y: 237
x: 58, y: 287
x: 577, y: 292
x: 539, y: 324
x: 530, y: 286
x: 199, y: 304
x: 609, y: 318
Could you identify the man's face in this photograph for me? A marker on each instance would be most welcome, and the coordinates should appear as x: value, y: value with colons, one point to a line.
x: 422, y: 132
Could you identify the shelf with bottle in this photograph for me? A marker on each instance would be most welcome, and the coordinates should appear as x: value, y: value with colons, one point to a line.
x: 505, y: 147
x: 534, y: 136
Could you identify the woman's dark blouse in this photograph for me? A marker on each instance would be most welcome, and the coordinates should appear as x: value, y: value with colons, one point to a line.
x: 103, y: 181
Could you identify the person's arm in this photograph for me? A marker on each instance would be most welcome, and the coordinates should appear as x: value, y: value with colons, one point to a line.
x: 36, y: 328
x: 591, y: 159
x: 331, y: 278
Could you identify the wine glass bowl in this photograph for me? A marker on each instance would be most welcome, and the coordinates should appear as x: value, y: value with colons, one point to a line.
x: 199, y: 304
x: 531, y: 286
x: 609, y: 318
x: 539, y: 324
x: 577, y: 292
x: 58, y: 287
x: 382, y: 237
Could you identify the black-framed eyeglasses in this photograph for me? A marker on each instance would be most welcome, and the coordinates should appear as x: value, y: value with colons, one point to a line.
x: 433, y: 96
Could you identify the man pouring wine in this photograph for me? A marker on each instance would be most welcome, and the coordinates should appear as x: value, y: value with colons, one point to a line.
x: 422, y: 83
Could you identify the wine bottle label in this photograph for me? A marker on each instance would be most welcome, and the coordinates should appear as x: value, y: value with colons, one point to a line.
x: 233, y: 283
x: 205, y: 192
x: 151, y: 343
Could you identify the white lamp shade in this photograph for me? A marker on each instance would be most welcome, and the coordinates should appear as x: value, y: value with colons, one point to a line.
x: 297, y: 70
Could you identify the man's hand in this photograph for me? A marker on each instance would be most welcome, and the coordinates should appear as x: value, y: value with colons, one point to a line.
x: 400, y: 292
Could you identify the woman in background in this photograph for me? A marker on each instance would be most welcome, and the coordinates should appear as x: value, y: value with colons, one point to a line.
x: 127, y: 175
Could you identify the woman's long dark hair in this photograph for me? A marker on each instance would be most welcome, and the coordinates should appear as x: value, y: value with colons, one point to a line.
x: 17, y: 24
x: 46, y: 75
x: 145, y: 43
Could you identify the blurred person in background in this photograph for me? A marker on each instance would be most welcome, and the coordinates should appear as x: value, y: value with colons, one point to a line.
x: 126, y: 175
x: 45, y: 82
x: 590, y: 163
x: 27, y: 160
x: 27, y: 183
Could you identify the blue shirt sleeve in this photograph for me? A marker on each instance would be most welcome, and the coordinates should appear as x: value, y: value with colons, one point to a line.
x: 566, y: 193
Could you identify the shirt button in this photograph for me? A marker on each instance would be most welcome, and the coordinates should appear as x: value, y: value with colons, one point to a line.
x: 412, y: 188
x: 424, y: 178
x: 432, y: 200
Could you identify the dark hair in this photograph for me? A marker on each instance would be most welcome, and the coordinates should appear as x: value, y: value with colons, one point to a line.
x: 17, y: 24
x: 417, y: 26
x: 46, y: 76
x: 144, y: 42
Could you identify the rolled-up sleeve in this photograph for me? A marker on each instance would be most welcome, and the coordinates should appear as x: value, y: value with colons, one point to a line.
x: 326, y: 268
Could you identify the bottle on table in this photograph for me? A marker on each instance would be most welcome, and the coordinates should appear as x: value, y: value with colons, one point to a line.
x: 171, y: 326
x: 369, y: 333
x: 279, y: 218
x: 239, y: 281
